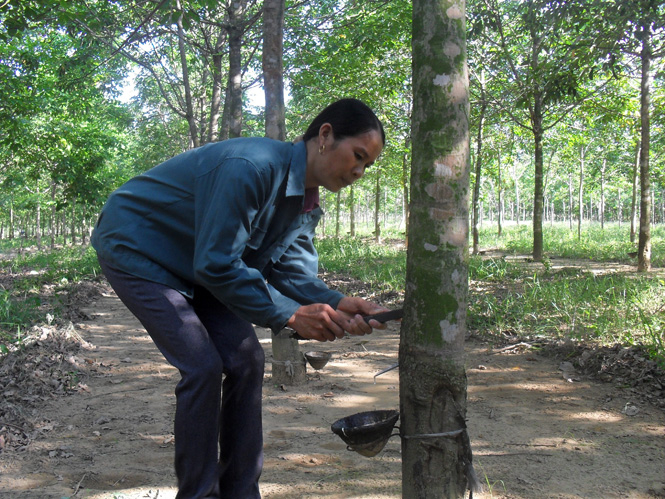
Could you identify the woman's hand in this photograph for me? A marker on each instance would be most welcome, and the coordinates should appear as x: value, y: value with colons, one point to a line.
x: 317, y: 322
x: 353, y: 310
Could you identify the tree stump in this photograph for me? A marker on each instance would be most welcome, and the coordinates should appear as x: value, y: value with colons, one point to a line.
x: 288, y: 365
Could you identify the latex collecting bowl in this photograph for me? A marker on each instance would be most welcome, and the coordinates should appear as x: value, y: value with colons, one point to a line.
x: 366, y: 432
x: 318, y: 359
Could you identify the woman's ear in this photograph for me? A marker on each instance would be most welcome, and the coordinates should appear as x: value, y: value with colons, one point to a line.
x: 326, y: 134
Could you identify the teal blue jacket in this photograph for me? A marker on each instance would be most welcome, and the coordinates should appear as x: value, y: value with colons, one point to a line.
x: 227, y: 216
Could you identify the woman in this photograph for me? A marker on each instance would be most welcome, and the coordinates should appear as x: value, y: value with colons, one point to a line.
x: 218, y: 238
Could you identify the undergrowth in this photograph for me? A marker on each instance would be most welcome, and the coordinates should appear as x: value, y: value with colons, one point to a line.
x: 24, y: 277
x: 507, y: 298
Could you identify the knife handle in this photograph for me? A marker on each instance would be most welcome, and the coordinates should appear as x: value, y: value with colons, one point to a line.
x: 391, y: 315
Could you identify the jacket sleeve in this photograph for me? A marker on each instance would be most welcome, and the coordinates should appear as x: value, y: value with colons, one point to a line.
x: 228, y: 199
x: 294, y: 274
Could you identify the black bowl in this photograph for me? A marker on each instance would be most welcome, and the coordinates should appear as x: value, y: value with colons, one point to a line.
x: 318, y: 359
x: 366, y: 432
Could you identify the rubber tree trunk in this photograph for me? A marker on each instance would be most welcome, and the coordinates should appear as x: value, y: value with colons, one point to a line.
x: 273, y: 68
x: 431, y: 355
x: 235, y: 12
x: 288, y: 366
x: 377, y: 207
x: 478, y: 173
x: 537, y: 123
x: 580, y: 196
x: 189, y: 108
x: 633, y: 202
x: 644, y: 246
x: 500, y: 195
x: 405, y: 189
x: 217, y: 88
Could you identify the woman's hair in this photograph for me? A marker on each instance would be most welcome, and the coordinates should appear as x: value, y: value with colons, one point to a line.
x: 349, y: 118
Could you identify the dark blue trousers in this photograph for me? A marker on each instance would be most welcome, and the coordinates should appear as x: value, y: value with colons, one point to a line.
x: 218, y: 429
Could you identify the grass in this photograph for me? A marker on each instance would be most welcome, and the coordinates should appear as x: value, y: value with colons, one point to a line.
x: 596, y: 244
x: 382, y: 266
x: 506, y: 298
x: 22, y: 297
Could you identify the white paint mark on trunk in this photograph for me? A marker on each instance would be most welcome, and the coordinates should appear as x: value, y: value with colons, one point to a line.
x: 430, y: 247
x: 452, y: 49
x: 442, y: 170
x: 441, y: 80
x: 454, y: 12
x: 448, y: 331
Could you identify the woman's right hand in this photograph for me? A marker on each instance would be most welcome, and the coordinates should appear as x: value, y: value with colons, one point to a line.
x: 316, y: 322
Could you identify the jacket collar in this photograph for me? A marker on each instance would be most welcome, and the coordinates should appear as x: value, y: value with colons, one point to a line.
x: 295, y: 185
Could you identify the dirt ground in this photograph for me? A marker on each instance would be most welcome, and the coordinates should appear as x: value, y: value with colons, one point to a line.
x: 539, y: 427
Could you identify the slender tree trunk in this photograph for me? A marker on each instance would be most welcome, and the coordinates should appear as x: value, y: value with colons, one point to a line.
x: 52, y: 220
x: 377, y: 208
x: 633, y: 203
x: 570, y: 200
x: 500, y: 225
x: 273, y: 68
x: 38, y: 216
x: 217, y: 87
x: 225, y: 127
x: 479, y: 163
x: 537, y: 122
x: 72, y: 223
x: 11, y: 217
x: 235, y: 33
x: 189, y: 109
x: 352, y: 213
x: 338, y: 209
x: 580, y: 195
x: 431, y: 354
x: 644, y: 248
x: 601, y: 209
x: 405, y: 189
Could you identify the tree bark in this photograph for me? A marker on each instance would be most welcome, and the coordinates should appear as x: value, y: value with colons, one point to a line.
x: 377, y: 208
x: 478, y: 172
x: 352, y: 213
x: 235, y: 32
x: 189, y: 109
x: 602, y: 195
x: 273, y: 68
x: 633, y: 202
x: 500, y: 189
x: 217, y: 88
x: 52, y: 220
x: 405, y: 190
x: 338, y: 208
x: 288, y: 366
x: 580, y: 195
x: 644, y: 247
x: 538, y: 192
x: 431, y: 355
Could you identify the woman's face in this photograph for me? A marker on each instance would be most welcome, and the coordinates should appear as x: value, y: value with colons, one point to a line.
x: 342, y: 162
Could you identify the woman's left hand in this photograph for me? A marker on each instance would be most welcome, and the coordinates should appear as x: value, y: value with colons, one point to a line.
x: 352, y: 311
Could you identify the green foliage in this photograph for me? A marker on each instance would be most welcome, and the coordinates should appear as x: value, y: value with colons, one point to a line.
x: 62, y: 266
x: 23, y: 304
x: 611, y: 244
x: 380, y: 266
x: 513, y: 299
x: 509, y: 298
x: 604, y: 309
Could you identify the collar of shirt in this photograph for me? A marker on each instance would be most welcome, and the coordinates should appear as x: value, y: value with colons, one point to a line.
x: 295, y: 185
